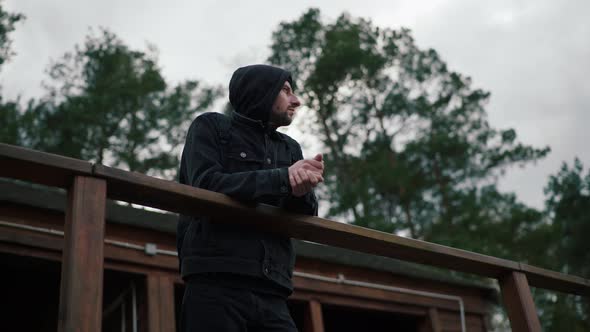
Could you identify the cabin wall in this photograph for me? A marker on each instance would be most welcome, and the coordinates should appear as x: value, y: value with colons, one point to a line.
x: 33, y: 261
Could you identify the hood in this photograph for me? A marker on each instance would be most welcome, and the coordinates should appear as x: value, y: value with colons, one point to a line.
x: 253, y: 90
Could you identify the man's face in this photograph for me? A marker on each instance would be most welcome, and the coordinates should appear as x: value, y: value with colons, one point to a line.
x: 283, y: 109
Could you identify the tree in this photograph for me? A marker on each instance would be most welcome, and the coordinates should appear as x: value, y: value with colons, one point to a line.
x: 10, y: 117
x: 7, y: 23
x: 10, y: 131
x: 406, y: 139
x: 408, y: 146
x: 568, y: 206
x: 110, y: 104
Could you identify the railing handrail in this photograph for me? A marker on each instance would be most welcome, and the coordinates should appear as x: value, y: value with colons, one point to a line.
x: 171, y: 196
x: 54, y: 170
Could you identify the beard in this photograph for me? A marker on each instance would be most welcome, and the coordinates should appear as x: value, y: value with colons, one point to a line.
x: 281, y: 118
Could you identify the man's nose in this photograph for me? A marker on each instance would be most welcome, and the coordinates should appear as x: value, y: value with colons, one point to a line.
x: 295, y: 101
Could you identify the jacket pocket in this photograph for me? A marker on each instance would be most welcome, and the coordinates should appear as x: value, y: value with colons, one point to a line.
x: 241, y: 158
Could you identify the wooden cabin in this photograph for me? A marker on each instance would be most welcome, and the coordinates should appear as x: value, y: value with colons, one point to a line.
x: 118, y: 266
x: 335, y: 289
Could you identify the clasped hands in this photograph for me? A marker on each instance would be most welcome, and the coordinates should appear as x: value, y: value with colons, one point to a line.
x: 305, y: 174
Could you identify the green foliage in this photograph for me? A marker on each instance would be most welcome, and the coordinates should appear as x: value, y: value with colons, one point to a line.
x: 10, y: 117
x: 408, y: 142
x: 10, y: 131
x: 7, y: 23
x: 105, y: 103
x: 110, y: 104
x: 409, y: 150
x: 568, y: 207
x: 568, y: 204
x: 496, y: 224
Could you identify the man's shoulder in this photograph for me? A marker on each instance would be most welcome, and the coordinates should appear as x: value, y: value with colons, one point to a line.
x: 288, y: 139
x: 211, y: 116
x: 211, y: 120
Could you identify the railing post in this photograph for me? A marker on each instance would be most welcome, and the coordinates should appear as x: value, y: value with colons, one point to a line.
x: 434, y: 320
x: 314, y: 321
x: 80, y: 301
x: 160, y: 304
x: 519, y: 304
x: 431, y: 322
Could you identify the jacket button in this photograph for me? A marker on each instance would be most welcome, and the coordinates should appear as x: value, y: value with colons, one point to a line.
x: 283, y: 189
x: 266, y: 270
x: 268, y: 161
x: 243, y: 154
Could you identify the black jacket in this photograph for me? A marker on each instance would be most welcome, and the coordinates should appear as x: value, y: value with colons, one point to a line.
x: 241, y: 157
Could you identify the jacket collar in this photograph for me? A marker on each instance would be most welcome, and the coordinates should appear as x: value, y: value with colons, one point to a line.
x: 255, y: 124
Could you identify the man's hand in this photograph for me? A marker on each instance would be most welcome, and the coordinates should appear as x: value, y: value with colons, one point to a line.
x: 305, y: 174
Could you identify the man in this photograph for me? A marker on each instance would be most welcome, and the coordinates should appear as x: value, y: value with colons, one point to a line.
x: 237, y: 278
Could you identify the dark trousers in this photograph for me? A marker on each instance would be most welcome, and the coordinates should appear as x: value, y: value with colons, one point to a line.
x: 208, y: 307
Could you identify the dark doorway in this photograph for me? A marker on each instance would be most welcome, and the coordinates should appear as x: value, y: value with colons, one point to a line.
x: 30, y: 296
x: 337, y: 318
x: 30, y: 293
x: 122, y: 300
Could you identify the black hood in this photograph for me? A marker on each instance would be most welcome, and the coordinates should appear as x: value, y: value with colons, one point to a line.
x: 253, y: 90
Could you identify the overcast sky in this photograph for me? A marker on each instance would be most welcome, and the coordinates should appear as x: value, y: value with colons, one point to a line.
x: 533, y: 56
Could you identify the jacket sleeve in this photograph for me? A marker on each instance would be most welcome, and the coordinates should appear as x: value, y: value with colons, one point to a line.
x: 202, y: 158
x: 306, y: 204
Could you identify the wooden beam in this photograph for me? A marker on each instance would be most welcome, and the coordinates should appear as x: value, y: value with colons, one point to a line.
x: 561, y: 282
x: 40, y: 167
x: 434, y: 320
x: 80, y: 302
x: 368, y: 293
x: 111, y: 252
x: 314, y: 321
x: 160, y: 303
x: 519, y: 304
x: 359, y: 303
x: 430, y: 322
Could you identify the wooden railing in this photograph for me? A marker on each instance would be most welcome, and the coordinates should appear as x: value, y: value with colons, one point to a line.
x: 89, y: 185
